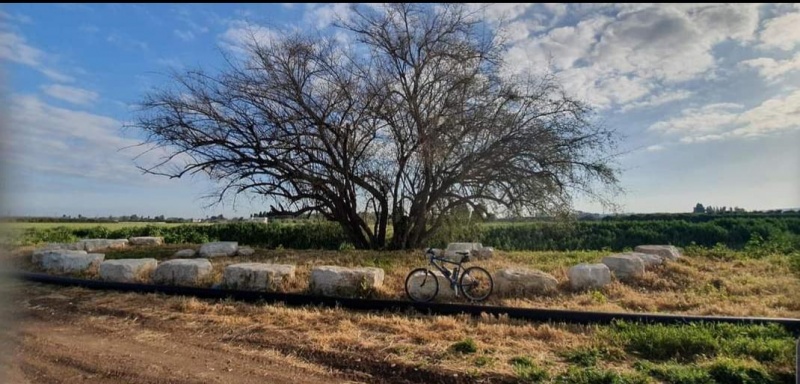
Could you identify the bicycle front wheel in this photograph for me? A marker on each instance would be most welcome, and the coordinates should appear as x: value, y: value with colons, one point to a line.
x: 476, y: 283
x: 422, y: 285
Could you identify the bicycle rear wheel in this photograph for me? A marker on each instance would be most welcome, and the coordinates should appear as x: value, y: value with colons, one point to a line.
x: 421, y: 285
x: 476, y: 283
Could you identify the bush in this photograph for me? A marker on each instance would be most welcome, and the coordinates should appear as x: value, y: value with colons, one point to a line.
x: 717, y: 237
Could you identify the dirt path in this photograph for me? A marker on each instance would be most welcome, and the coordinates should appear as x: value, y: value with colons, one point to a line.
x: 75, y: 335
x: 54, y: 343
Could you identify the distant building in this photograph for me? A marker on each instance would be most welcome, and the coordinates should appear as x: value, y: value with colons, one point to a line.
x: 258, y: 220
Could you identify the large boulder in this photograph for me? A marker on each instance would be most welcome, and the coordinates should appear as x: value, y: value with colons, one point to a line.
x: 245, y: 251
x: 417, y: 289
x: 146, y: 240
x: 182, y: 271
x: 649, y: 260
x: 484, y: 253
x: 127, y: 270
x: 667, y: 252
x: 38, y: 254
x: 256, y: 276
x: 219, y: 249
x: 62, y: 246
x: 476, y: 251
x: 91, y: 245
x: 184, y: 253
x: 583, y: 276
x: 521, y: 281
x: 624, y: 266
x: 72, y: 262
x: 340, y: 281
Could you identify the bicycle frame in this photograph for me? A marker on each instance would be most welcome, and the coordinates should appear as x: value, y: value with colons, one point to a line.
x: 451, y: 276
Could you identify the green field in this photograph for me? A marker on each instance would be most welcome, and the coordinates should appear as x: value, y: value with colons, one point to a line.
x: 18, y: 226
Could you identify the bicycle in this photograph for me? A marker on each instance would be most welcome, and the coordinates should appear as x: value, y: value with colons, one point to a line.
x: 422, y: 285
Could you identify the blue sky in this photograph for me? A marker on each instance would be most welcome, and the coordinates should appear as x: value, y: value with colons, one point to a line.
x: 706, y: 96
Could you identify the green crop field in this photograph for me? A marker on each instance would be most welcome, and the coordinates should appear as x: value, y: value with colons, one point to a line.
x: 17, y: 226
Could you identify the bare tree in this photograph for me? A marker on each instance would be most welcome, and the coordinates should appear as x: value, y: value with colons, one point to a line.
x: 405, y: 121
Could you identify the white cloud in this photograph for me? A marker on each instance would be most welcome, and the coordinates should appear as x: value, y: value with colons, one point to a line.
x: 88, y: 28
x: 781, y: 32
x: 17, y: 17
x: 772, y: 69
x: 618, y: 54
x: 658, y: 99
x: 13, y: 47
x: 730, y: 121
x: 73, y: 95
x: 184, y: 35
x: 324, y: 15
x: 241, y: 33
x: 126, y: 42
x: 655, y: 148
x: 194, y: 29
x: 170, y: 62
x: 710, y: 118
x: 69, y: 142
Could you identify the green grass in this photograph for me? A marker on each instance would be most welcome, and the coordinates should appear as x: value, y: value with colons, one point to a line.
x: 765, y: 343
x: 465, y: 346
x: 576, y: 375
x: 589, y: 356
x: 20, y: 226
x: 527, y: 370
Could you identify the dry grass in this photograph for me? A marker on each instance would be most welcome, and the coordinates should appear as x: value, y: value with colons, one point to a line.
x: 398, y: 338
x: 392, y: 338
x: 692, y: 285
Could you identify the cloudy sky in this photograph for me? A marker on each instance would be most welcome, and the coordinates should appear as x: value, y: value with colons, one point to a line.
x: 706, y: 96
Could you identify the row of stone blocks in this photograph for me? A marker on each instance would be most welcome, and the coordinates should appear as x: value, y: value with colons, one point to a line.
x: 336, y: 281
x: 326, y: 280
x: 583, y: 276
x: 209, y: 250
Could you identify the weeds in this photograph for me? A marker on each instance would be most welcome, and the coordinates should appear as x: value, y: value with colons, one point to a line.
x: 465, y: 346
x: 527, y: 370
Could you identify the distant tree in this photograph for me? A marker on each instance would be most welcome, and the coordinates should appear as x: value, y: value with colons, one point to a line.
x: 699, y: 208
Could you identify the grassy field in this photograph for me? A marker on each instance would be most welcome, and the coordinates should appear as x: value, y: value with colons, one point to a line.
x: 386, y: 346
x: 705, y: 282
x: 20, y: 226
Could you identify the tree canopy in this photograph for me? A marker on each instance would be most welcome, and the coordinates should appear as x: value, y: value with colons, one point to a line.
x: 407, y: 116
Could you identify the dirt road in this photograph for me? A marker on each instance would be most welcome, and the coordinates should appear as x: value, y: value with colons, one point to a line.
x: 58, y: 338
x: 75, y: 335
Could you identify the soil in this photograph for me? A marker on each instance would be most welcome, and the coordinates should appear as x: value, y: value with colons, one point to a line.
x: 73, y: 335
